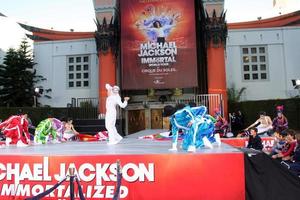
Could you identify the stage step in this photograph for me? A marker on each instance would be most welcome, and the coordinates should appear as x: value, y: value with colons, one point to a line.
x: 93, y: 126
x: 89, y: 122
x: 90, y: 128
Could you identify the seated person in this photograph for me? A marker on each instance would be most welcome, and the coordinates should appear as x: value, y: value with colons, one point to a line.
x: 295, y: 166
x: 280, y: 123
x: 263, y: 124
x: 279, y: 142
x: 69, y: 133
x: 221, y: 125
x: 254, y: 140
x: 288, y: 149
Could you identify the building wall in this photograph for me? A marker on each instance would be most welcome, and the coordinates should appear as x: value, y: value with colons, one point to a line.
x: 2, y: 54
x: 283, y: 54
x: 292, y: 56
x: 51, y: 59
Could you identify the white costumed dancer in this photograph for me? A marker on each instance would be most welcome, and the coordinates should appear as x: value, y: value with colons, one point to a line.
x: 263, y: 123
x: 113, y: 99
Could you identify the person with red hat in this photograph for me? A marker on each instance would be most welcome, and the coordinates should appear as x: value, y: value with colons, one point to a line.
x: 221, y: 125
x: 280, y: 122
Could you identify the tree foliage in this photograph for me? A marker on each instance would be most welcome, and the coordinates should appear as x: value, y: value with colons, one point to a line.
x: 18, y: 77
x: 234, y: 95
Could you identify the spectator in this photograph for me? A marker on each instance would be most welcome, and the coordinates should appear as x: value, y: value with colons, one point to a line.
x: 221, y: 125
x: 240, y: 118
x: 289, y: 147
x: 280, y: 123
x: 295, y: 166
x: 237, y: 122
x: 254, y: 140
x: 279, y: 142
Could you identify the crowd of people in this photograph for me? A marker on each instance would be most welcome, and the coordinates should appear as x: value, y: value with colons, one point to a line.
x: 198, y: 127
x: 286, y: 148
x: 264, y: 124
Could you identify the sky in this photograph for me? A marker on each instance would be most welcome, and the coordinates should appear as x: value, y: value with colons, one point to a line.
x: 64, y: 15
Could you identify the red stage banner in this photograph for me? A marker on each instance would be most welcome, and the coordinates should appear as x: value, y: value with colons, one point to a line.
x: 147, y: 177
x: 267, y: 142
x: 158, y: 41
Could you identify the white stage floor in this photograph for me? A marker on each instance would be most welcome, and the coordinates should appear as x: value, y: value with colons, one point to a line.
x: 128, y: 146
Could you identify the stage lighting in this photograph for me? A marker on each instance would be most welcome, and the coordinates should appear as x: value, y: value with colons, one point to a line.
x: 38, y: 90
x: 296, y: 83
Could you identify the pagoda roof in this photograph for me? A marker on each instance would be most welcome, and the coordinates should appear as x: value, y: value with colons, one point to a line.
x: 290, y: 19
x: 39, y: 34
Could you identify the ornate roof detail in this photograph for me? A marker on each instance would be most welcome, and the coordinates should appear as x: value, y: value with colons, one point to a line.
x: 37, y: 38
x: 39, y: 34
x: 216, y: 29
x: 107, y: 35
x: 31, y: 28
x: 291, y: 19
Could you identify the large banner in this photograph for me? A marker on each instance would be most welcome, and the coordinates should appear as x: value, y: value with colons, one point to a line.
x: 267, y: 142
x: 158, y: 40
x: 148, y: 177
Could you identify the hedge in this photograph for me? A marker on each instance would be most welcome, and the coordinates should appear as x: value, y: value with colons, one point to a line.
x: 38, y: 114
x: 250, y: 109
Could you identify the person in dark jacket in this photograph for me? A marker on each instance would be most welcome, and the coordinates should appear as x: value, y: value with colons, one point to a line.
x: 254, y: 140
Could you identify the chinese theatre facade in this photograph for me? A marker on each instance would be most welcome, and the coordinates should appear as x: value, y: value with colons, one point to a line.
x: 160, y: 52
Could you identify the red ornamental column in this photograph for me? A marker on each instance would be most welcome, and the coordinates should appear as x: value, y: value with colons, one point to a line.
x: 216, y: 74
x: 216, y: 31
x: 107, y: 74
x: 107, y: 43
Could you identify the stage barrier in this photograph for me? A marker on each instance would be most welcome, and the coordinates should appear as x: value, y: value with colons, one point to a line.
x: 147, y: 177
x: 268, y: 142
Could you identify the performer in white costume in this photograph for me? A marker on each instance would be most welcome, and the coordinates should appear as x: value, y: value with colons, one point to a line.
x: 263, y: 123
x: 113, y: 99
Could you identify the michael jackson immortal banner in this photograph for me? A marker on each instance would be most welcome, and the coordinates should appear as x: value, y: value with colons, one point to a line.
x: 158, y: 40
